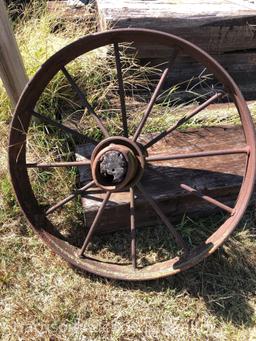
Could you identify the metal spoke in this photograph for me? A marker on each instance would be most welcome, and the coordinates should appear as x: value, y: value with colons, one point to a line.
x: 154, y: 96
x: 85, y: 102
x: 94, y: 224
x: 133, y: 230
x: 58, y: 164
x: 62, y: 127
x: 165, y: 157
x: 207, y: 198
x: 121, y: 89
x: 184, y: 119
x: 69, y: 198
x: 179, y: 240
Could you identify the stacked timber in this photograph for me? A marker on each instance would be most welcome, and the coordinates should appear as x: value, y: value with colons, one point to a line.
x: 225, y: 29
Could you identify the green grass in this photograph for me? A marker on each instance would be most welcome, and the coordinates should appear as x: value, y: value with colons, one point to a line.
x: 41, y: 297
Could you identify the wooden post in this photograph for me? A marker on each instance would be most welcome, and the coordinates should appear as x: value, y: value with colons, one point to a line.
x: 12, y: 71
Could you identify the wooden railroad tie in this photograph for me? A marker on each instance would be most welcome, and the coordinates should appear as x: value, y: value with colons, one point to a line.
x: 170, y: 182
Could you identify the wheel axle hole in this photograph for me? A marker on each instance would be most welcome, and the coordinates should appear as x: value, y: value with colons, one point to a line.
x: 113, y: 167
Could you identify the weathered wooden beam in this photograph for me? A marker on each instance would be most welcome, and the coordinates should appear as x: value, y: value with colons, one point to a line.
x: 12, y: 71
x: 224, y: 28
x: 241, y: 66
x: 219, y: 177
x: 216, y: 26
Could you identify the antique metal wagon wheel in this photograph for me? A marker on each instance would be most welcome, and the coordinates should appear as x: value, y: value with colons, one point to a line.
x: 118, y: 162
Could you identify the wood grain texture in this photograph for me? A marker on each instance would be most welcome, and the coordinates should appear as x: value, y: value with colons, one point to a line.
x: 219, y: 177
x: 216, y: 26
x: 240, y: 65
x: 12, y: 71
x: 225, y: 29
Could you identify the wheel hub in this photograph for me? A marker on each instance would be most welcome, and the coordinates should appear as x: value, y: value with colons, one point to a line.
x: 113, y: 166
x: 117, y: 163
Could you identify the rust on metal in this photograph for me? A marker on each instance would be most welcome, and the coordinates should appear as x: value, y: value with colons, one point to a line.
x: 115, y: 166
x: 155, y: 94
x: 176, y: 235
x: 184, y: 119
x: 217, y: 176
x: 133, y: 229
x: 85, y: 102
x: 94, y: 224
x: 207, y: 198
x: 121, y: 89
x: 69, y: 198
x: 162, y: 157
x: 58, y: 164
x: 62, y: 127
x: 129, y: 157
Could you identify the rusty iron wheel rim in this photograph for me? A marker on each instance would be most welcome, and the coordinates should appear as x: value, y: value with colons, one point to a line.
x: 27, y: 199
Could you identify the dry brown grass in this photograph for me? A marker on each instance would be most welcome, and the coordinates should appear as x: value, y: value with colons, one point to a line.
x: 43, y: 298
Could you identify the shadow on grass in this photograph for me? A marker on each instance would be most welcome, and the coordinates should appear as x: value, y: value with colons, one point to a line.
x: 225, y: 280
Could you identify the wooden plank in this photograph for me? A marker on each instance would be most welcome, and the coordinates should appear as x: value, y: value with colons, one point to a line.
x: 241, y: 66
x: 12, y: 71
x: 216, y: 26
x: 225, y: 29
x: 220, y: 177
